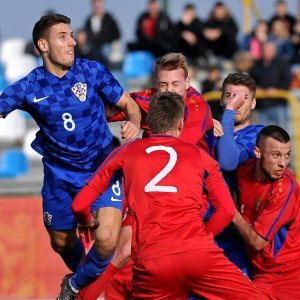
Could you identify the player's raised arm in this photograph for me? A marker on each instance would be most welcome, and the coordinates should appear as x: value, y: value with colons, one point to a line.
x: 130, y: 128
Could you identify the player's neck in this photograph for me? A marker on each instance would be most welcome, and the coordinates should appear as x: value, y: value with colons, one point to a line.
x: 241, y: 126
x: 56, y: 70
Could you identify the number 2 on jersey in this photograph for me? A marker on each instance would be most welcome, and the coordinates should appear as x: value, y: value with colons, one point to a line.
x: 152, y: 185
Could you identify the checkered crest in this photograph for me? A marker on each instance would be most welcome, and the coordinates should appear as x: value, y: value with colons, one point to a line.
x: 80, y: 89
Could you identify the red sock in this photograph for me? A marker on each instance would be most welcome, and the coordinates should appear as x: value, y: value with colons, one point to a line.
x: 96, y: 288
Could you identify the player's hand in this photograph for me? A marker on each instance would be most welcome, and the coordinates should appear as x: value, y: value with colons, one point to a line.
x: 236, y: 101
x: 129, y: 131
x: 86, y: 231
x: 218, y: 130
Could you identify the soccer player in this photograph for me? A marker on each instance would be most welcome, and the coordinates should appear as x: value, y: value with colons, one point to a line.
x: 173, y: 252
x: 268, y: 217
x: 171, y: 74
x: 233, y: 148
x: 66, y: 98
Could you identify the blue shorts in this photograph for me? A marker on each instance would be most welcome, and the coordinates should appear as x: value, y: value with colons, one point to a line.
x: 60, y: 188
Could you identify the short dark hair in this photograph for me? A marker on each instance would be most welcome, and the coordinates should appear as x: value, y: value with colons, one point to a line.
x: 41, y: 27
x: 273, y: 131
x: 165, y: 110
x: 239, y: 79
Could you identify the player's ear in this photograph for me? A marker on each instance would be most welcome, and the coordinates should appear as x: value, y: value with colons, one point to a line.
x: 187, y: 82
x: 43, y: 45
x: 257, y: 152
x: 253, y: 104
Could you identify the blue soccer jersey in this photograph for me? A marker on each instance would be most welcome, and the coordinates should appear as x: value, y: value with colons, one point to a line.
x: 69, y: 111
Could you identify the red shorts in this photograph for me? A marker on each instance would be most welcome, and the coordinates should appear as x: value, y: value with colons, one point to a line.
x: 120, y: 286
x: 206, y: 272
x: 279, y: 286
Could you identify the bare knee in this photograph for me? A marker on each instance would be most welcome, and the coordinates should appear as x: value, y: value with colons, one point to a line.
x: 106, y: 240
x: 63, y: 241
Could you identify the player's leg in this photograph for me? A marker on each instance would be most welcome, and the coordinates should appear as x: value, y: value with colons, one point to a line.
x: 157, y: 279
x: 68, y: 246
x: 109, y: 215
x: 208, y: 273
x: 122, y: 256
x: 59, y: 220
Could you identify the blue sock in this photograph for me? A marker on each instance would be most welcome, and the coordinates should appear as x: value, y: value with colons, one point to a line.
x: 91, y: 270
x: 72, y: 259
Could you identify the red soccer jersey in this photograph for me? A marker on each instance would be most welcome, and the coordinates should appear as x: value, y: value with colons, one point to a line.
x: 273, y: 210
x: 164, y: 178
x: 198, y: 123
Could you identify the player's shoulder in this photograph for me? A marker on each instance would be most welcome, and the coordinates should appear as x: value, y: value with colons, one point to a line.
x: 144, y: 95
x: 193, y: 94
x: 83, y: 65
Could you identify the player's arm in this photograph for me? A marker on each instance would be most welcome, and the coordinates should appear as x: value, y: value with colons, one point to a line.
x: 131, y: 127
x: 248, y: 234
x: 96, y: 186
x: 230, y: 153
x: 218, y: 194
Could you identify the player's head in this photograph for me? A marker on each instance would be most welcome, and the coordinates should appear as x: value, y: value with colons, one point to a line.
x: 240, y: 82
x: 272, y: 152
x: 165, y: 113
x: 53, y: 37
x: 171, y: 74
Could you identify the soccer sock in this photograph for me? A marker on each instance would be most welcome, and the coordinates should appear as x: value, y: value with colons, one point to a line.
x: 93, y: 267
x: 96, y: 288
x: 72, y: 259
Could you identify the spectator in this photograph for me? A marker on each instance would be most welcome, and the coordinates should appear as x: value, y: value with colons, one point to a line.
x: 170, y: 209
x: 280, y: 35
x: 83, y: 48
x: 268, y: 218
x: 213, y: 80
x: 281, y: 13
x: 190, y: 34
x: 102, y: 30
x: 253, y: 42
x: 220, y: 32
x: 154, y: 31
x: 271, y: 73
x: 243, y: 61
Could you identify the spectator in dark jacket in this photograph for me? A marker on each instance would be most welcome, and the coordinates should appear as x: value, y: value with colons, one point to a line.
x: 154, y: 31
x: 102, y: 30
x: 220, y: 32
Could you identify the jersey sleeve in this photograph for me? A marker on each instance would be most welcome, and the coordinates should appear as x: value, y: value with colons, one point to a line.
x: 109, y: 88
x: 230, y: 153
x: 97, y: 184
x: 198, y: 124
x: 279, y: 210
x: 218, y: 194
x: 12, y: 98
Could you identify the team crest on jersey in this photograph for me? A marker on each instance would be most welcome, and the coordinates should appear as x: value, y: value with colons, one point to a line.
x: 80, y: 89
x: 47, y: 218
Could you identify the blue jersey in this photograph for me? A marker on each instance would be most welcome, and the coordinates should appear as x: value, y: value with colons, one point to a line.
x: 69, y: 111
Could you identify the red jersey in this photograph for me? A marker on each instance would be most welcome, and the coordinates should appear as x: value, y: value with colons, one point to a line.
x: 273, y: 210
x: 164, y: 178
x: 198, y: 123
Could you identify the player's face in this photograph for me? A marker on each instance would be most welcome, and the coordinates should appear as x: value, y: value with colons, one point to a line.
x: 274, y: 158
x: 243, y: 113
x: 60, y: 46
x: 172, y: 81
